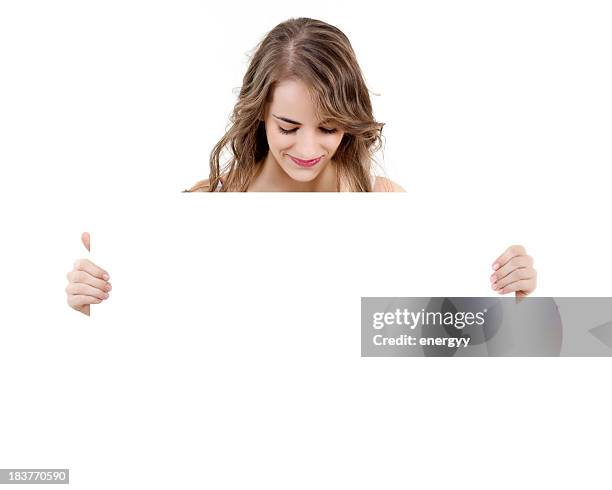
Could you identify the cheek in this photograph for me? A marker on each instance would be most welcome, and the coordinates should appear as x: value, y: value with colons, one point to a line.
x: 337, y: 140
x: 276, y: 141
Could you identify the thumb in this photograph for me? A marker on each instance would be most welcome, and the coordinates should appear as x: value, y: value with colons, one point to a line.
x: 518, y: 296
x: 85, y: 238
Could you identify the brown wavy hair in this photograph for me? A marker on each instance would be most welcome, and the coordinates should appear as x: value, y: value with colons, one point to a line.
x: 321, y: 56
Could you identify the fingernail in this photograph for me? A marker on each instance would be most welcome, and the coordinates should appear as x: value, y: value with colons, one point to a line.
x: 495, y: 266
x: 105, y: 277
x: 105, y: 295
x: 109, y: 287
x: 492, y: 277
x: 494, y: 286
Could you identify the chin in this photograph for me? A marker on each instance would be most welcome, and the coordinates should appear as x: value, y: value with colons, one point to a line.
x: 302, y: 175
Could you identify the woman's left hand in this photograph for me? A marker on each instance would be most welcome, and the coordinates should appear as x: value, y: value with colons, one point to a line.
x: 514, y: 272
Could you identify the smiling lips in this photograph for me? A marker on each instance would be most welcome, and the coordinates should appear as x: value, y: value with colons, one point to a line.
x: 305, y: 163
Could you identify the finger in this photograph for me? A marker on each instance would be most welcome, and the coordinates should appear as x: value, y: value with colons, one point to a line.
x: 76, y: 288
x: 511, y: 251
x: 85, y: 238
x: 87, y: 278
x: 516, y: 275
x: 88, y: 266
x: 524, y: 285
x: 79, y: 300
x: 511, y: 265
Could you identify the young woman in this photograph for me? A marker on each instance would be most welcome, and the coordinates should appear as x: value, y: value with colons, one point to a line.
x: 303, y: 122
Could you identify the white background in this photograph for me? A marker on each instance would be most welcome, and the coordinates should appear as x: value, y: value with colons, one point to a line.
x: 228, y: 355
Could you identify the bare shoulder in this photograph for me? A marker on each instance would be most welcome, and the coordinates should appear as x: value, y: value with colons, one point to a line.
x: 200, y: 186
x: 384, y: 184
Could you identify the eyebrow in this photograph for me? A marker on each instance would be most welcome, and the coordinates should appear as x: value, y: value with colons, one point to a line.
x: 291, y: 121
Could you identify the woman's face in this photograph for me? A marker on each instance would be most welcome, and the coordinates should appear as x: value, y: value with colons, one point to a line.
x: 301, y: 145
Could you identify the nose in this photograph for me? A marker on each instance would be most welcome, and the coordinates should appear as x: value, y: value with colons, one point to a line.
x: 308, y: 147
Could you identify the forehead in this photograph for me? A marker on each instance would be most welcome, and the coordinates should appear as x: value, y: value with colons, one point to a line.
x: 291, y: 99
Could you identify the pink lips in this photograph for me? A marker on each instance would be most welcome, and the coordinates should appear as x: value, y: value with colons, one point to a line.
x: 305, y: 163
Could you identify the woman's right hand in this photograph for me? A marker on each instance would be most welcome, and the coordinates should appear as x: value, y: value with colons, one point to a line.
x: 87, y: 283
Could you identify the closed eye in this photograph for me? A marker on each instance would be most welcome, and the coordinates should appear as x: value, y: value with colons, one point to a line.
x: 290, y: 131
